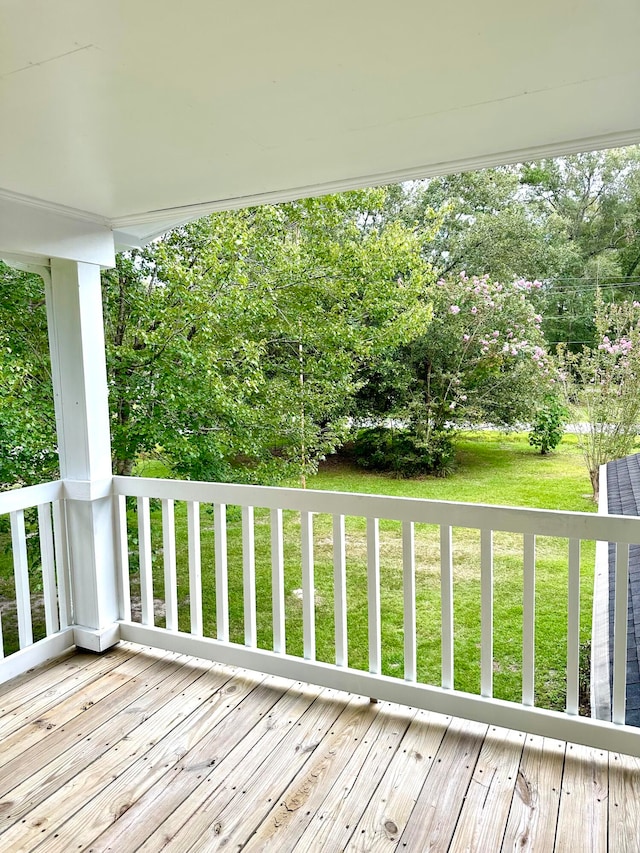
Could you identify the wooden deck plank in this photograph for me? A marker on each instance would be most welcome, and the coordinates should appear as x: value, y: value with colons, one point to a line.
x: 288, y: 819
x: 534, y: 808
x: 79, y: 743
x: 37, y: 726
x: 50, y: 814
x: 38, y: 699
x: 271, y: 706
x: 270, y: 766
x: 80, y: 748
x: 483, y: 819
x: 192, y: 718
x: 624, y: 803
x: 155, y: 755
x: 585, y: 779
x: 434, y: 818
x: 34, y: 681
x: 391, y: 805
x: 333, y: 823
x: 228, y: 775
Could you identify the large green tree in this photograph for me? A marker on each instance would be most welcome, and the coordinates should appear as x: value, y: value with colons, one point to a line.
x: 482, y: 358
x: 478, y: 222
x: 593, y: 201
x: 236, y: 344
x: 28, y: 448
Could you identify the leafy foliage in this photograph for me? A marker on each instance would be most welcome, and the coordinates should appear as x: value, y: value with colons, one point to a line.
x: 548, y: 425
x: 28, y: 446
x: 236, y: 344
x: 402, y: 452
x: 605, y: 380
x: 242, y: 345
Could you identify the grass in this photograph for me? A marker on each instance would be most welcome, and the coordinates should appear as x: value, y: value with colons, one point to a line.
x: 492, y: 468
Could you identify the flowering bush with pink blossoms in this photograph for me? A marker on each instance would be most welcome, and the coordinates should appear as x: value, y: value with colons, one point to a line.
x: 605, y: 381
x: 482, y: 358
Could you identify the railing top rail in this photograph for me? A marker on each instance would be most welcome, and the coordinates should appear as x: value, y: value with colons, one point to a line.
x: 28, y: 496
x: 542, y: 522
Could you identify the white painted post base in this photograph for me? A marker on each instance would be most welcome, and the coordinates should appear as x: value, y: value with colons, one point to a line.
x: 94, y: 640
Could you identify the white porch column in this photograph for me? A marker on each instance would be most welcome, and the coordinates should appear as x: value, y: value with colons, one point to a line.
x: 76, y: 341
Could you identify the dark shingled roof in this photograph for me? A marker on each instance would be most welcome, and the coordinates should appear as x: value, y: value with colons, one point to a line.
x: 623, y: 498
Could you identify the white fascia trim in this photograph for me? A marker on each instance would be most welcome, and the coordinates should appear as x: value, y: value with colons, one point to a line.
x: 38, y: 231
x: 130, y: 229
x: 53, y: 207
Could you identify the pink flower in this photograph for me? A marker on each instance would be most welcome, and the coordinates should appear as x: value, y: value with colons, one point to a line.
x: 474, y: 310
x: 454, y: 309
x: 465, y: 337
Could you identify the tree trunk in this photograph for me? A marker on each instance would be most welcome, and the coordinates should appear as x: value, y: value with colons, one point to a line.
x: 594, y: 476
x: 124, y: 467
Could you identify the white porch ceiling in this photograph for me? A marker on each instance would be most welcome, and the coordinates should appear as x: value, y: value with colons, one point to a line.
x: 137, y: 115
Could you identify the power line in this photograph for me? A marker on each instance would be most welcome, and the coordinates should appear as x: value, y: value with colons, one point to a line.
x: 594, y: 286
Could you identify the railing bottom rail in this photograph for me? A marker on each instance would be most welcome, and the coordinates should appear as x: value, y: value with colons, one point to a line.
x: 40, y: 652
x: 535, y: 721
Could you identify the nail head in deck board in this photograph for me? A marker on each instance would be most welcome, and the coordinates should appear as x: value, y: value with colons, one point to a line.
x: 272, y: 773
x: 231, y: 740
x: 331, y: 826
x: 81, y: 790
x: 433, y: 820
x: 296, y: 806
x: 624, y: 803
x: 397, y: 791
x: 585, y: 778
x: 536, y: 797
x: 485, y: 812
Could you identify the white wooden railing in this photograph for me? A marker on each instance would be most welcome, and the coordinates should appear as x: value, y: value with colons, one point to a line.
x: 148, y: 538
x: 44, y: 546
x: 530, y: 524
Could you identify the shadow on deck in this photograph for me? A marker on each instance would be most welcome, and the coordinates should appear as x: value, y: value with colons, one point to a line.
x: 145, y: 750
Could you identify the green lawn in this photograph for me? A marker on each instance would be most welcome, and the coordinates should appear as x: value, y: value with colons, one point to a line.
x: 493, y: 468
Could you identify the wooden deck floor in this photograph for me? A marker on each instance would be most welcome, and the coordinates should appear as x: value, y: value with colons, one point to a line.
x: 143, y: 750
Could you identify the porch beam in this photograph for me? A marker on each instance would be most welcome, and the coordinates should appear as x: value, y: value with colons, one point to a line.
x: 31, y: 229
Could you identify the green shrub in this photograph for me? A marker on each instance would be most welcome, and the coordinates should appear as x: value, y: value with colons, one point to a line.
x: 403, y: 453
x: 548, y: 426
